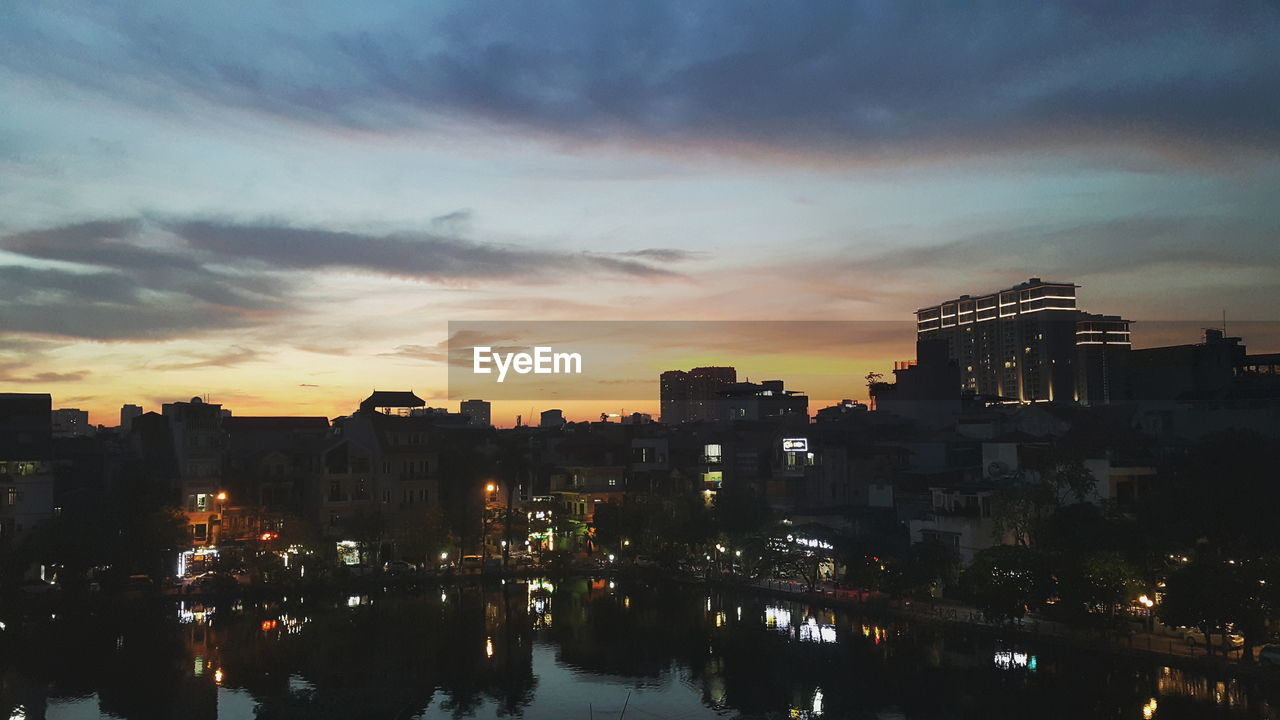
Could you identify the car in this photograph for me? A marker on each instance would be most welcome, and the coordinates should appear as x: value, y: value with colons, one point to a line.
x: 137, y: 586
x: 210, y: 583
x: 1269, y: 656
x: 471, y: 562
x: 39, y: 589
x: 1195, y: 638
x: 399, y: 567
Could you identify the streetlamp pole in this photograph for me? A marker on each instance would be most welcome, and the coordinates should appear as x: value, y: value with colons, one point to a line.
x: 489, y: 489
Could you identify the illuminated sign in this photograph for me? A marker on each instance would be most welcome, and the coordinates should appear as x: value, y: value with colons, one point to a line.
x: 795, y: 444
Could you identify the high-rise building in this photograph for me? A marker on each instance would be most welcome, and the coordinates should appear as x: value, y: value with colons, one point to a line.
x: 693, y: 395
x: 127, y: 414
x: 71, y: 422
x: 1019, y: 344
x: 553, y: 418
x: 1102, y: 347
x: 198, y: 444
x: 26, y: 463
x: 479, y: 411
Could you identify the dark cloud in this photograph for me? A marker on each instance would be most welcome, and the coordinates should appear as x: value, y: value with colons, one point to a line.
x: 138, y: 278
x: 822, y: 77
x: 665, y: 255
x: 428, y: 257
x: 43, y: 377
x: 1090, y: 248
x: 103, y: 306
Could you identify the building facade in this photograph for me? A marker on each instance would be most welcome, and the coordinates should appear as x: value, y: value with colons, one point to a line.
x: 692, y: 395
x: 26, y: 463
x: 1021, y: 344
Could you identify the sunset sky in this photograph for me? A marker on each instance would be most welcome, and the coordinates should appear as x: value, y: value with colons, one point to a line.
x: 282, y: 205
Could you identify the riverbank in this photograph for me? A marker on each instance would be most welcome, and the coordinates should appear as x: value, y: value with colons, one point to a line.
x: 1169, y: 649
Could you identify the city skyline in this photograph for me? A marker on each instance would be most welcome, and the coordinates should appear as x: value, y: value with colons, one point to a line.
x: 272, y: 207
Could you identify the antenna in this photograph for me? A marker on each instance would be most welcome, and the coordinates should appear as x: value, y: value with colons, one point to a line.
x: 1224, y: 322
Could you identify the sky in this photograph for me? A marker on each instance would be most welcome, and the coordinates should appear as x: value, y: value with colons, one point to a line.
x: 282, y: 205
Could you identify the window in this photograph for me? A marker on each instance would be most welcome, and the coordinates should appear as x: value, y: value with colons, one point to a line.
x: 613, y: 481
x: 200, y: 532
x: 13, y: 496
x: 712, y: 454
x: 386, y: 496
x: 386, y: 467
x: 335, y: 491
x: 362, y: 489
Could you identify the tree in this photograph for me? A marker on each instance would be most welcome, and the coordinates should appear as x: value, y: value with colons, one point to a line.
x: 421, y: 536
x: 926, y: 568
x: 1217, y: 595
x: 1193, y: 597
x: 1006, y: 581
x: 738, y: 510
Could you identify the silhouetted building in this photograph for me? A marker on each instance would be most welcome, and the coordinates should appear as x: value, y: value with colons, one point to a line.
x: 127, y: 414
x: 479, y: 412
x: 1204, y: 371
x: 198, y: 443
x: 71, y: 422
x: 376, y: 467
x: 1102, y: 349
x: 692, y: 395
x: 269, y: 460
x: 392, y: 402
x: 926, y: 391
x: 759, y: 401
x: 26, y: 462
x: 551, y: 418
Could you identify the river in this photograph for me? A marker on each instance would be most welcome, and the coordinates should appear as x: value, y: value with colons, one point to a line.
x: 574, y: 648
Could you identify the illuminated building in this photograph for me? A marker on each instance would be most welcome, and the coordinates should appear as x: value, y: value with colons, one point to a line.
x: 1020, y: 344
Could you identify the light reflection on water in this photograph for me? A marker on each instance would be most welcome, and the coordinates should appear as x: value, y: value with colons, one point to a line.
x: 575, y: 648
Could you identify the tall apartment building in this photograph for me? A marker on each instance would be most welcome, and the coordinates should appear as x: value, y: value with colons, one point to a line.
x: 693, y: 395
x: 127, y: 414
x: 199, y: 444
x: 71, y: 422
x: 26, y: 463
x: 479, y: 412
x: 1023, y: 343
x: 1102, y: 348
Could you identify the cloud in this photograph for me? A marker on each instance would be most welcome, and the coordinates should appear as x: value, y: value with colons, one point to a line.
x: 419, y: 256
x: 44, y: 378
x: 1101, y: 247
x: 826, y: 78
x: 230, y: 358
x: 146, y: 279
x: 665, y: 255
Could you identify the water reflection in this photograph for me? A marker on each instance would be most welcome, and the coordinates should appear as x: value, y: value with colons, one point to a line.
x: 567, y: 648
